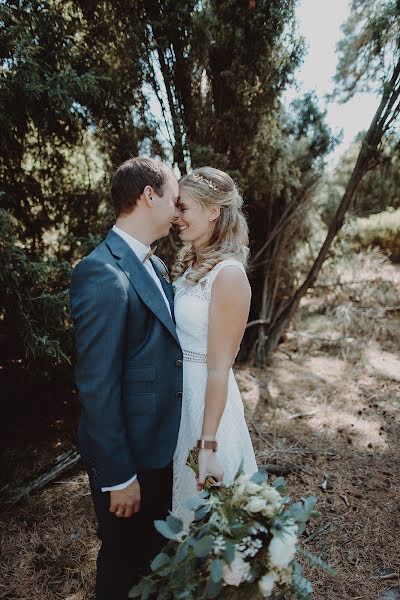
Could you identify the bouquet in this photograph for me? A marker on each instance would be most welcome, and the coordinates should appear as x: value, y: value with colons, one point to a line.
x: 242, y: 543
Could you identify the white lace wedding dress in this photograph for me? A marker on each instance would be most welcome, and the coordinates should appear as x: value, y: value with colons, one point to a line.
x: 234, y: 444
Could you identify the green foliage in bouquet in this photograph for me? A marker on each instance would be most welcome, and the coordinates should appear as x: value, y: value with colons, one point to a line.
x: 242, y: 543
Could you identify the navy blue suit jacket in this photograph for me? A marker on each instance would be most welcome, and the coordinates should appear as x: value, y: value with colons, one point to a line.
x: 129, y: 364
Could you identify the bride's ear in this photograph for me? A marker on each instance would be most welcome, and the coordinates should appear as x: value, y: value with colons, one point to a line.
x: 213, y: 213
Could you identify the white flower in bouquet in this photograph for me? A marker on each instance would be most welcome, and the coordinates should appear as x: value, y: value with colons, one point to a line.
x: 243, y: 479
x: 255, y: 504
x: 219, y: 545
x: 240, y: 485
x: 282, y: 548
x: 266, y: 584
x: 273, y: 501
x: 253, y: 488
x: 237, y: 571
x: 271, y: 495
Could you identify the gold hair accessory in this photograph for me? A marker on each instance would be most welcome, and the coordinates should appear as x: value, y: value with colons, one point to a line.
x: 198, y: 177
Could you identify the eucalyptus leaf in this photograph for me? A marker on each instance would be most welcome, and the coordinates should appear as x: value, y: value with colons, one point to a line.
x: 296, y: 512
x: 201, y: 512
x: 309, y: 503
x: 165, y: 530
x: 216, y: 570
x: 159, y: 561
x: 229, y: 552
x: 213, y: 588
x: 175, y: 524
x: 195, y: 503
x: 259, y: 477
x: 182, y: 551
x: 136, y: 591
x: 316, y: 561
x: 204, y: 546
x: 279, y: 483
x: 302, y: 586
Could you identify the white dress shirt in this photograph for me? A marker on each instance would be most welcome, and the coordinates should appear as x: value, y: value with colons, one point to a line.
x: 140, y: 250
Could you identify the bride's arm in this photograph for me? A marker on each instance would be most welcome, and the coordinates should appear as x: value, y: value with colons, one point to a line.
x: 229, y: 311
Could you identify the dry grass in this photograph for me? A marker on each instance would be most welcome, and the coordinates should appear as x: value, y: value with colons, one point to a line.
x: 349, y: 391
x: 49, y: 545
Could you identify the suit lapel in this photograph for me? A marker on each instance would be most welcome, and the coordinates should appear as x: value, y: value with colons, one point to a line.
x: 141, y: 280
x: 167, y: 287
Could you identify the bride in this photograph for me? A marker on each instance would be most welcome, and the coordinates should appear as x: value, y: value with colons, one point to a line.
x: 212, y: 302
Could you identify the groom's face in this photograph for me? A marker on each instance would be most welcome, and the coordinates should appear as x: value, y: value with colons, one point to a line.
x: 165, y: 211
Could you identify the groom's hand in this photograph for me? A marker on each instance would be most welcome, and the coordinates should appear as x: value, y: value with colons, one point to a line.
x: 126, y: 502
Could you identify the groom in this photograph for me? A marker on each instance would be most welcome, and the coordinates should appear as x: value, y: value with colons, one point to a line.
x: 129, y: 374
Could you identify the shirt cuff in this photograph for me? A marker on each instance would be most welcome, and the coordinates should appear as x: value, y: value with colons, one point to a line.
x: 120, y: 486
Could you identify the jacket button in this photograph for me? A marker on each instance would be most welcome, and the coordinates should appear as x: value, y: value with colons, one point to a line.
x: 178, y: 395
x: 178, y: 363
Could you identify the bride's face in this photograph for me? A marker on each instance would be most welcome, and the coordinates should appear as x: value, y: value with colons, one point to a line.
x: 195, y: 222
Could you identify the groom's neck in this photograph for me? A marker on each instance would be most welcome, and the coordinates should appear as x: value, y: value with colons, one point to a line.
x: 137, y: 228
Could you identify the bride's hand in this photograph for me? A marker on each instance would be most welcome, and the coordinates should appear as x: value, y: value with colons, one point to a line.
x: 209, y: 465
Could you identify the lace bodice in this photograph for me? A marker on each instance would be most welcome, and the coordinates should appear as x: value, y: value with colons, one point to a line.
x: 192, y: 303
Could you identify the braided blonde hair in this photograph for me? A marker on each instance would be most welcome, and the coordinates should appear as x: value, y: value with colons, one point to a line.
x: 229, y: 238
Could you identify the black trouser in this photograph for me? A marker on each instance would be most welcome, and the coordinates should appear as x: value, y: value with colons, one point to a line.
x: 128, y: 545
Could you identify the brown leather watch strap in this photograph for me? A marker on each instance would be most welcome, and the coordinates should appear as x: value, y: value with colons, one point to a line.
x: 207, y: 445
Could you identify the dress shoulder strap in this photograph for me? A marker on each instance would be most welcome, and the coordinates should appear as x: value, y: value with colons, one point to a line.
x: 228, y: 262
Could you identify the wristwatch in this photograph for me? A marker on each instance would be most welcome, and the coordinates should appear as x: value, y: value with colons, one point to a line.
x: 207, y: 445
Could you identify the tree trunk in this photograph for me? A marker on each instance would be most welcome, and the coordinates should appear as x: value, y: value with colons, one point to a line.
x: 384, y: 116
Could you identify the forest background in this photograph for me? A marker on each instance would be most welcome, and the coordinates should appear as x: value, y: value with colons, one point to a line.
x: 78, y: 86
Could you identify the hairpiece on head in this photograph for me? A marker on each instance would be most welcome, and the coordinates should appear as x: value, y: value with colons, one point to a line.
x: 198, y: 177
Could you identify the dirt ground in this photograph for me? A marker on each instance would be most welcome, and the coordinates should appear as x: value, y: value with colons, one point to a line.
x: 326, y: 409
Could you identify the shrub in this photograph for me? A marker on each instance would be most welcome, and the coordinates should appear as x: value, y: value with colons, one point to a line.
x: 34, y: 322
x: 380, y: 230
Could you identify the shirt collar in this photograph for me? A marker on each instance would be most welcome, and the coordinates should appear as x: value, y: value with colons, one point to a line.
x: 141, y: 250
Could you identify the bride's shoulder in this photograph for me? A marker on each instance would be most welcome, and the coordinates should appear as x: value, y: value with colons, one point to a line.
x: 227, y: 262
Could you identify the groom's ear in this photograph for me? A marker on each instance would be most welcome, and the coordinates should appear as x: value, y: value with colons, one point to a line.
x: 147, y: 196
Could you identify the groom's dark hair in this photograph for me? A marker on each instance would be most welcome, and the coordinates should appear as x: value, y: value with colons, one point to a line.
x: 130, y: 179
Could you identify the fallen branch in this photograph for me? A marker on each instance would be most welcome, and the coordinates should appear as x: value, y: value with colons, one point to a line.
x: 300, y: 415
x: 10, y: 495
x: 289, y: 354
x: 302, y: 451
x: 279, y: 469
x: 318, y: 532
x: 341, y: 283
x: 384, y: 577
x: 320, y: 339
x: 344, y: 498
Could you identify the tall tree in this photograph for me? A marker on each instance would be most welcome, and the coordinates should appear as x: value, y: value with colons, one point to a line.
x: 71, y: 105
x: 70, y: 89
x: 224, y: 66
x: 369, y: 55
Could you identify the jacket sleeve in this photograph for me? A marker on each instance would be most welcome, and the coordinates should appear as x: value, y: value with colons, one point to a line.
x: 99, y: 303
